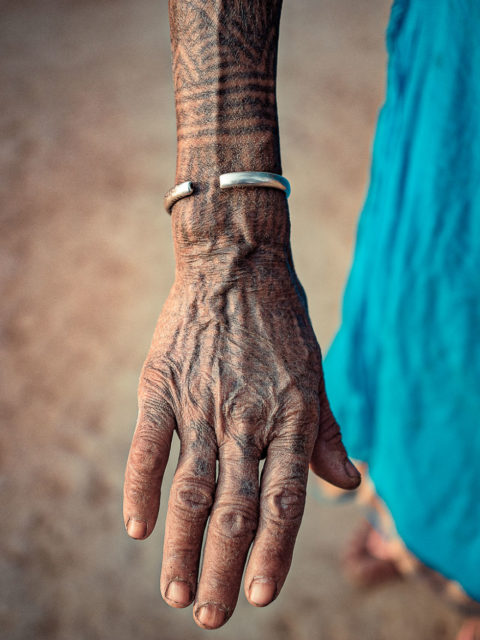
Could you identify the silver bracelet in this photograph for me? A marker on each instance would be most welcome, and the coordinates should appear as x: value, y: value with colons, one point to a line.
x: 228, y: 181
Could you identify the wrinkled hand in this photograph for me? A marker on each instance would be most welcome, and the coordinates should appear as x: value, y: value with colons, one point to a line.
x: 235, y: 368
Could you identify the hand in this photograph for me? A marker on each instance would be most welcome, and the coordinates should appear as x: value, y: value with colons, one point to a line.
x: 235, y: 369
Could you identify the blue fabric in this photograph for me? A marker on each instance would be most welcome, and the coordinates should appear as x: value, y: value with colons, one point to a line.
x: 403, y: 372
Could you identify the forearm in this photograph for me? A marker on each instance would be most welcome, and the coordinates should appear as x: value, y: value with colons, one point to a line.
x: 224, y: 69
x: 234, y: 366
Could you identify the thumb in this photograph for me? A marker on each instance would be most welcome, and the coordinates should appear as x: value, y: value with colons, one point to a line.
x: 329, y: 458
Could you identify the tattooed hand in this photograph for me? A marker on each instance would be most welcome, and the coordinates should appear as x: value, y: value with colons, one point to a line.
x: 234, y: 365
x: 235, y: 368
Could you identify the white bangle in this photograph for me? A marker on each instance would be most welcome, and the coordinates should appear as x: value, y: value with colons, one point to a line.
x: 228, y: 181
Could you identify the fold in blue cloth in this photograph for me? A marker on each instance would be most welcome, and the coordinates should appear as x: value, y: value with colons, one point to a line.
x: 403, y: 372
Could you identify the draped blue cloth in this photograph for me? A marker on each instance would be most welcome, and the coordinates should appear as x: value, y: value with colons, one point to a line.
x: 403, y: 372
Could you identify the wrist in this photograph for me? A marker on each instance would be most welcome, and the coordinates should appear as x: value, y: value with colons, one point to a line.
x: 263, y: 271
x: 241, y: 218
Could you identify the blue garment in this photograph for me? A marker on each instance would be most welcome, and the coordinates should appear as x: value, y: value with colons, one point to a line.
x: 403, y: 372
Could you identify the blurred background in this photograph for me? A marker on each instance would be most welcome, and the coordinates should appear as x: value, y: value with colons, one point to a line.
x: 87, y: 151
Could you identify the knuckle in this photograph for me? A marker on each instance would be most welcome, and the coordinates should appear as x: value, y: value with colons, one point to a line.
x: 295, y: 399
x: 249, y: 413
x: 245, y: 407
x: 236, y: 521
x: 155, y: 401
x: 192, y: 499
x: 299, y: 408
x: 155, y: 380
x: 285, y: 504
x: 156, y: 412
x: 147, y: 455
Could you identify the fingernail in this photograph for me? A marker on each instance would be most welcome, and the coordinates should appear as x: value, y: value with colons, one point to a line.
x: 262, y: 591
x: 210, y: 616
x: 136, y: 529
x: 179, y: 592
x: 351, y: 470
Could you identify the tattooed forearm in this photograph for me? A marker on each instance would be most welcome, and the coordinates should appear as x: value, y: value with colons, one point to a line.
x: 224, y: 66
x: 224, y: 69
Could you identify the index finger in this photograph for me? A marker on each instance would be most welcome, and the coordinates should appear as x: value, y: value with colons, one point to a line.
x: 146, y: 464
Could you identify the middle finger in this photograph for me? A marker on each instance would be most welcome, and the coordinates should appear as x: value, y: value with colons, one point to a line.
x: 232, y: 526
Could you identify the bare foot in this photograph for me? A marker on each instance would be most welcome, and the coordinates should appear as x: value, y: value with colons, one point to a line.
x: 470, y: 630
x: 366, y: 559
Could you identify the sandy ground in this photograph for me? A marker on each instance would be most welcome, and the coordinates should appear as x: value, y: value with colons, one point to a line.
x: 87, y: 151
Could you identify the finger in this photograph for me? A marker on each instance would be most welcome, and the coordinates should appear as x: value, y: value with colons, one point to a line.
x: 282, y: 501
x: 145, y: 467
x: 191, y: 497
x: 470, y: 629
x: 231, y: 529
x: 329, y: 458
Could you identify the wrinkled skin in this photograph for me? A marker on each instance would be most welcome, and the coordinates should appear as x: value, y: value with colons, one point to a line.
x: 234, y: 366
x: 235, y: 369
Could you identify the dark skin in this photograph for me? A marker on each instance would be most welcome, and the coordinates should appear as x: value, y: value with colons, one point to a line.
x: 234, y: 366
